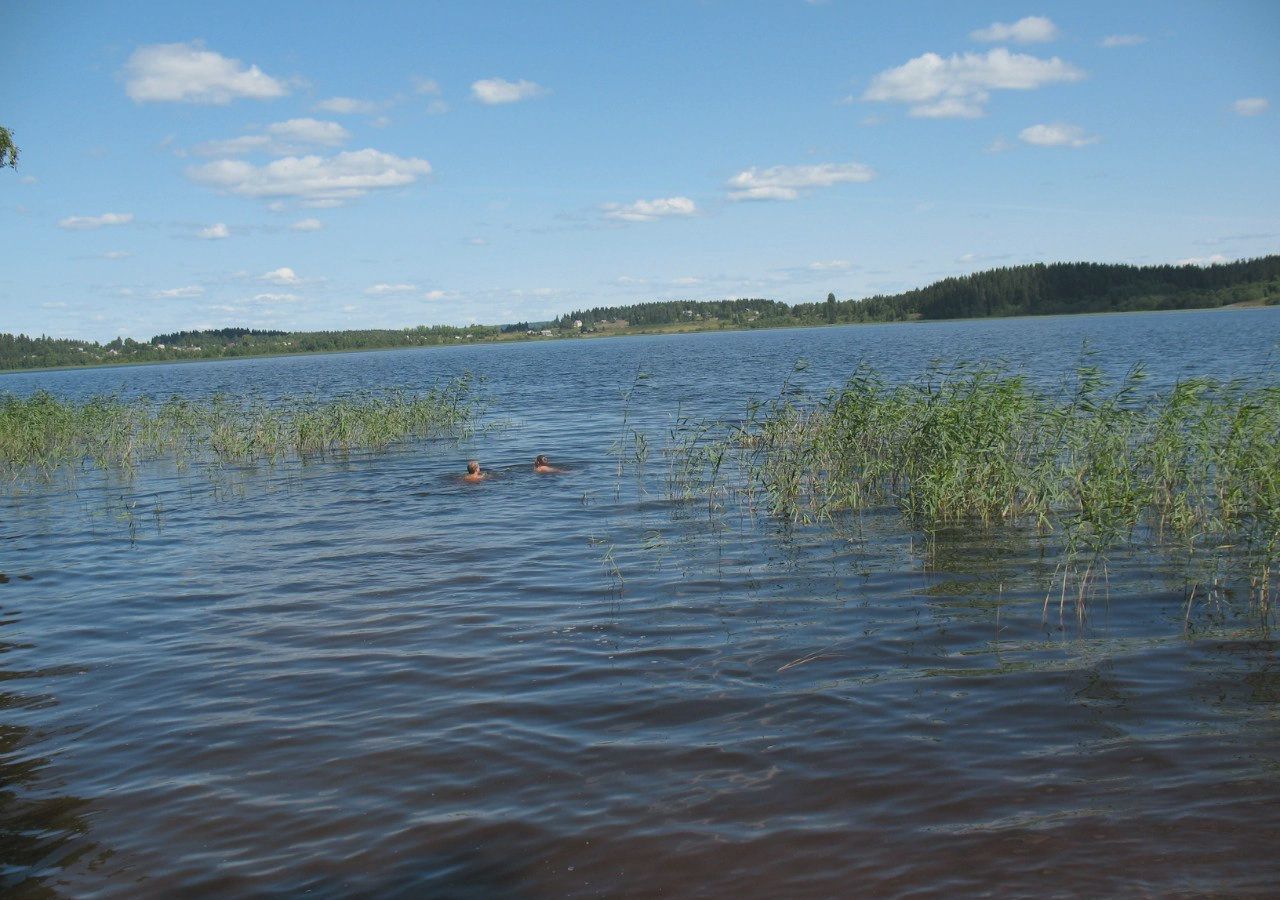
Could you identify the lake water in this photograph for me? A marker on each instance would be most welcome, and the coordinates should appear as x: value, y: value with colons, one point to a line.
x: 362, y: 677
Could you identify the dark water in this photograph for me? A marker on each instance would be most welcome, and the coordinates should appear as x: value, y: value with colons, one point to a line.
x: 362, y: 677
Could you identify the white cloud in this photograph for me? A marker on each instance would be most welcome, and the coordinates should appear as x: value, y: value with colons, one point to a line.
x: 786, y: 182
x: 952, y: 108
x: 316, y: 180
x: 178, y: 293
x: 382, y: 288
x: 493, y: 91
x: 1251, y: 106
x: 292, y: 136
x: 477, y: 242
x: 345, y: 106
x: 188, y: 73
x: 307, y: 225
x: 999, y: 145
x: 428, y: 86
x: 686, y: 281
x: 85, y: 223
x: 650, y: 210
x: 959, y: 86
x: 1057, y: 135
x: 215, y: 232
x: 1203, y: 260
x: 309, y: 131
x: 437, y: 295
x: 831, y: 265
x: 1122, y: 40
x: 276, y: 298
x: 282, y: 275
x: 1030, y: 30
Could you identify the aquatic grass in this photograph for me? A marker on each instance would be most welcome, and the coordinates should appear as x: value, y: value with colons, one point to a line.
x: 41, y: 434
x: 1105, y: 464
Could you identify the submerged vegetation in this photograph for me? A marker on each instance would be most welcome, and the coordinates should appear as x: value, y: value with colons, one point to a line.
x: 1105, y: 466
x: 42, y: 434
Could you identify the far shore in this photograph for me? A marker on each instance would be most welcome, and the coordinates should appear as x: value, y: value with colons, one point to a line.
x: 681, y: 329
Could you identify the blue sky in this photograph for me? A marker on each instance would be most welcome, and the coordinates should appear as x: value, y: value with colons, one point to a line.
x: 309, y: 165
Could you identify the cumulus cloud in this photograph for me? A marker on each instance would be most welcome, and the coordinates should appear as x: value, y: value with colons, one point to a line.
x: 1057, y: 135
x: 1251, y: 106
x: 831, y: 265
x: 786, y: 182
x: 1122, y: 40
x: 179, y: 293
x: 959, y: 86
x: 85, y: 223
x: 307, y: 225
x: 215, y: 232
x: 494, y: 91
x: 316, y: 180
x: 282, y: 275
x: 292, y: 136
x: 271, y: 297
x: 437, y: 295
x: 382, y: 288
x: 188, y: 73
x: 346, y: 106
x: 650, y: 210
x: 1029, y: 30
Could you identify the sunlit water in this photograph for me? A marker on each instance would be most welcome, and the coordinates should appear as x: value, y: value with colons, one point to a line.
x: 365, y: 677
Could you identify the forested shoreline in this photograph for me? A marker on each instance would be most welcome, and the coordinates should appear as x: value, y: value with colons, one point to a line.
x: 1040, y: 289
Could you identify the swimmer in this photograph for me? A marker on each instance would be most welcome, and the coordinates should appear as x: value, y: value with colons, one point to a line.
x: 473, y: 471
x: 543, y: 466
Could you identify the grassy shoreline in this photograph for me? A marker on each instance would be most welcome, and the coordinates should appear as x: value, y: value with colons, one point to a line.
x: 681, y: 329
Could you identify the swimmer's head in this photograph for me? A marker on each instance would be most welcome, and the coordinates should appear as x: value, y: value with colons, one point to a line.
x: 473, y: 467
x: 542, y: 461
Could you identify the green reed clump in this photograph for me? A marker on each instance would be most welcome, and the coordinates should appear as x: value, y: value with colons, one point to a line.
x: 1102, y: 462
x: 41, y: 434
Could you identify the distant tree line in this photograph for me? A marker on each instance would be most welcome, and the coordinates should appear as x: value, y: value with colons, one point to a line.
x: 669, y: 312
x: 18, y: 351
x: 1032, y: 290
x: 1013, y: 291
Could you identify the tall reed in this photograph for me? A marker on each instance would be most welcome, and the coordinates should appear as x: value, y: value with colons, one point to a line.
x: 40, y: 434
x: 1104, y: 463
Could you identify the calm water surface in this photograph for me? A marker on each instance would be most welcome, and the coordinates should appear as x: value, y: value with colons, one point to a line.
x: 362, y: 677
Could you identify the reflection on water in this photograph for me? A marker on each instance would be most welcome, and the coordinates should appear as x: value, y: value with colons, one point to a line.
x: 362, y: 677
x: 41, y: 830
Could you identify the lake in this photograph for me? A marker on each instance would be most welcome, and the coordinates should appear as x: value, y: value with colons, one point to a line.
x: 363, y: 677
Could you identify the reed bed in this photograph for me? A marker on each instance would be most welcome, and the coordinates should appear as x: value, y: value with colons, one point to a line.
x: 1105, y: 463
x: 42, y: 434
